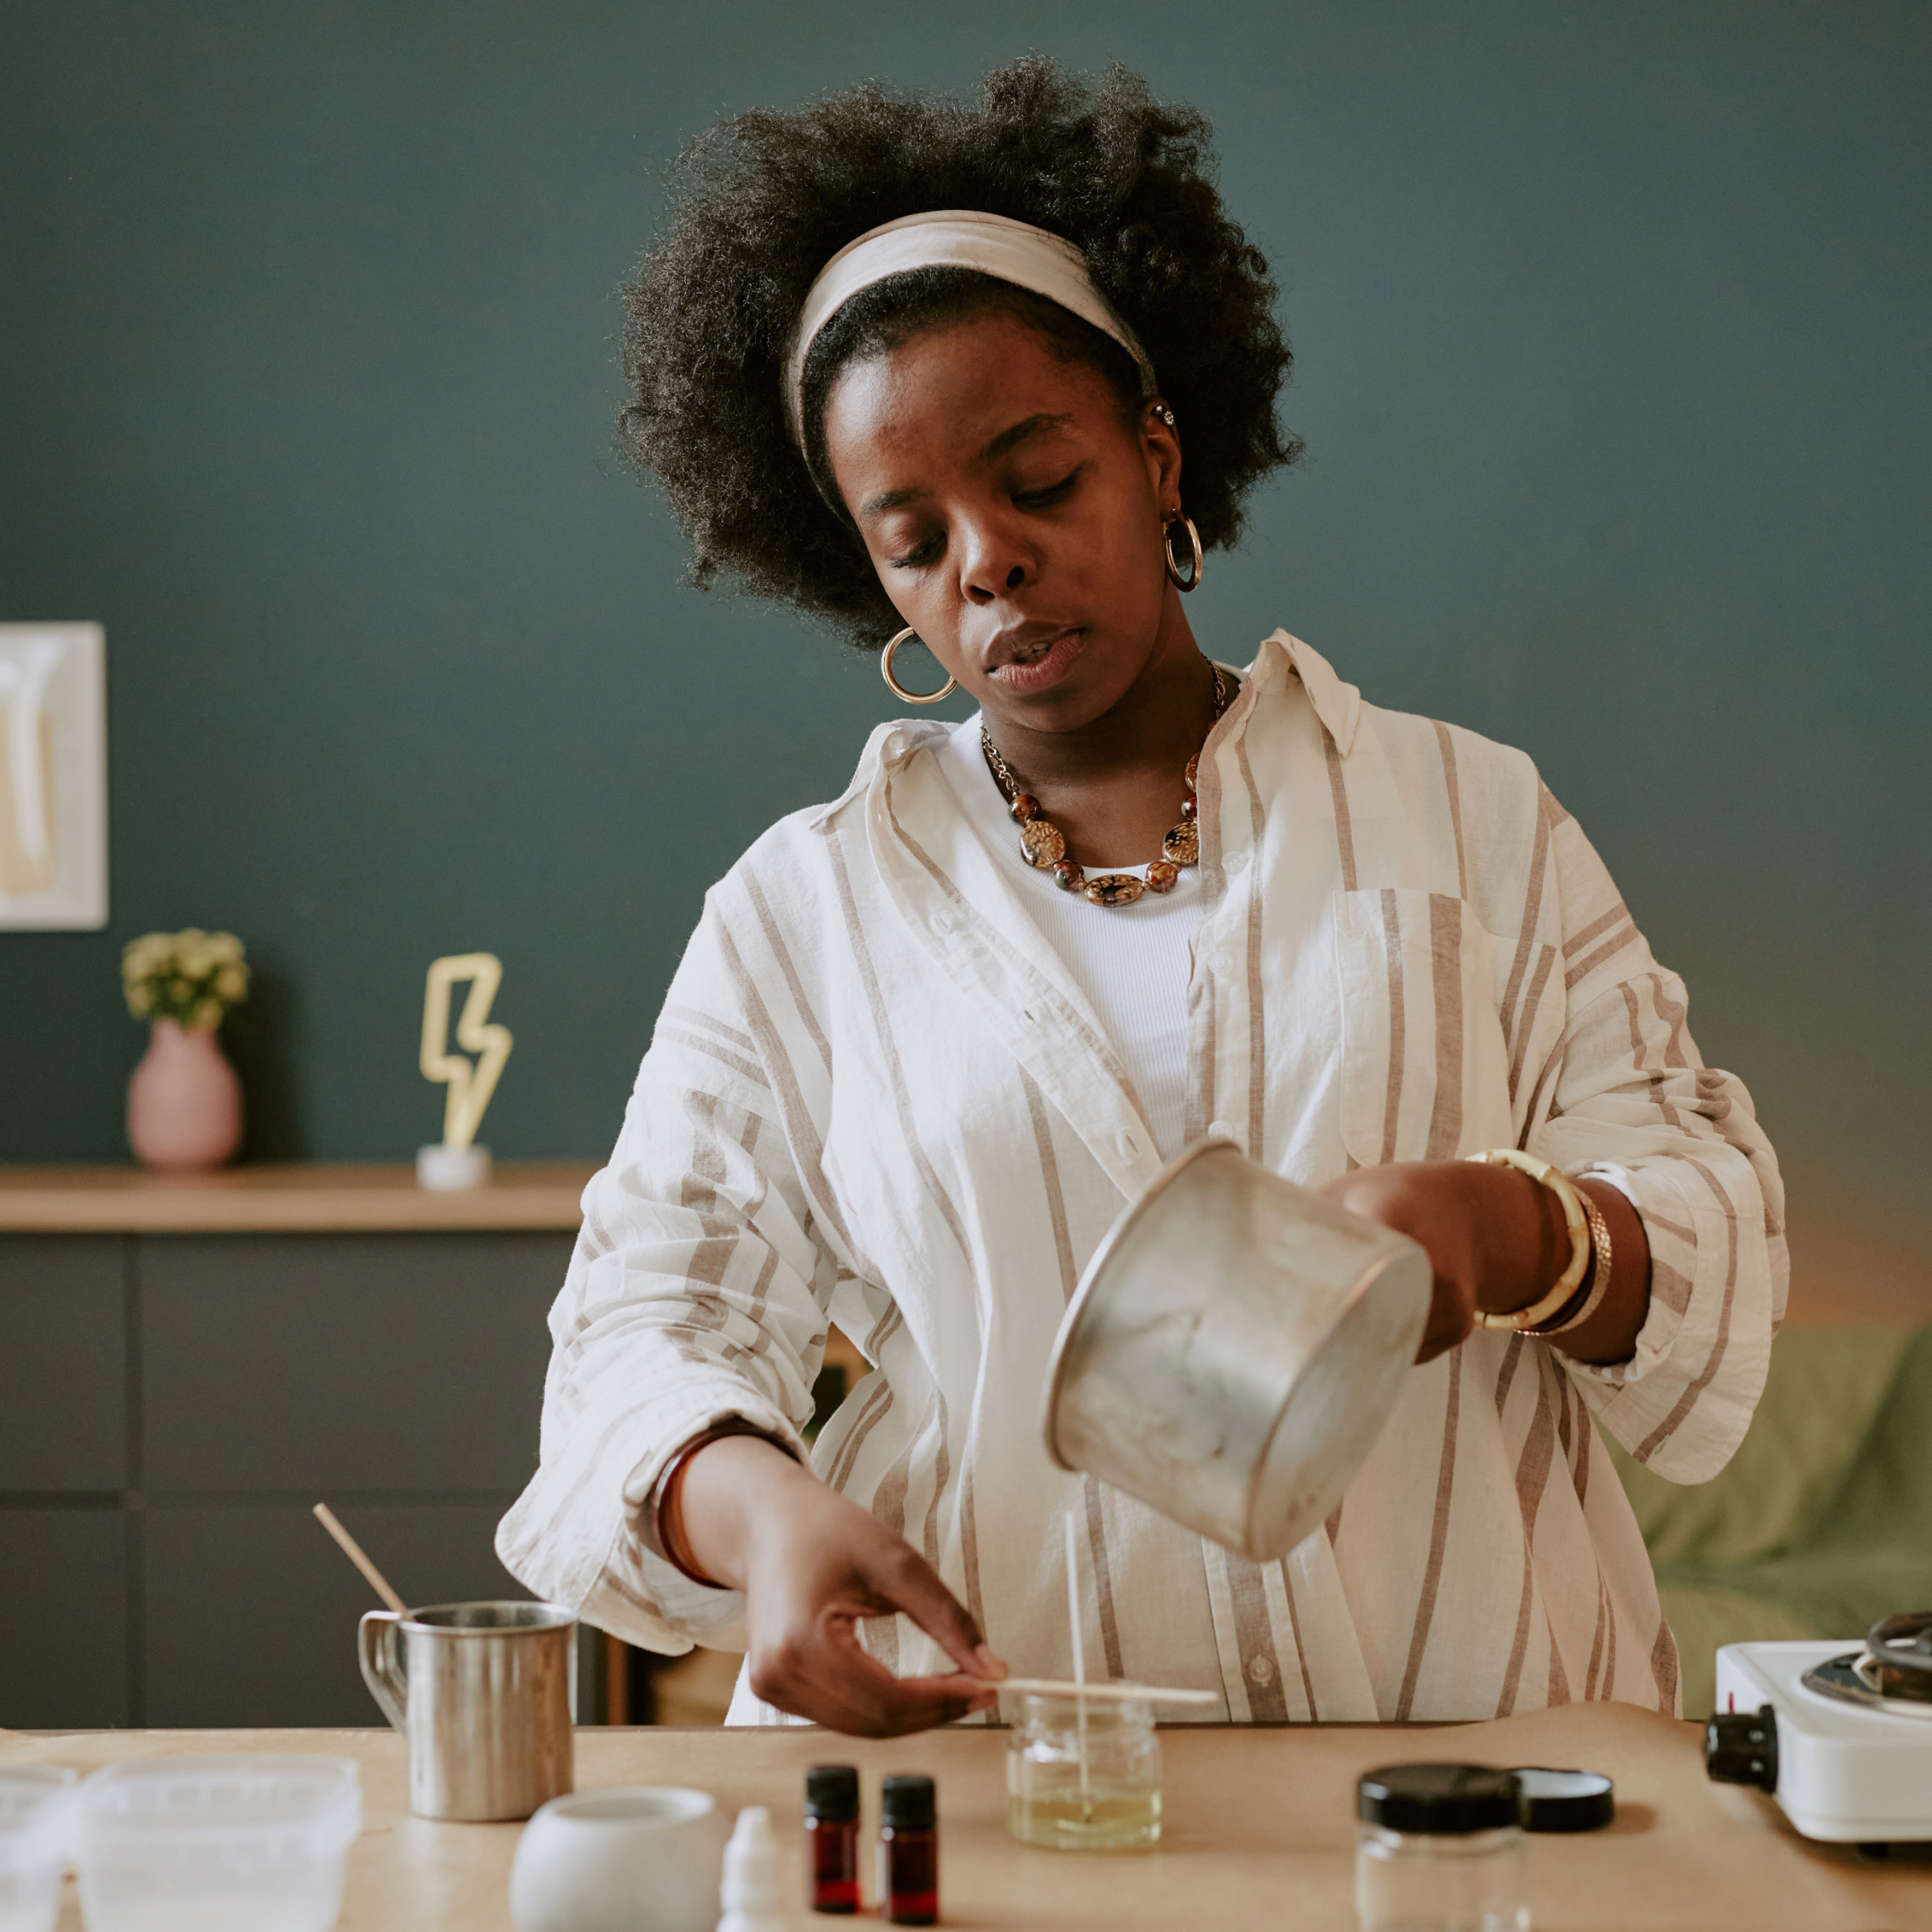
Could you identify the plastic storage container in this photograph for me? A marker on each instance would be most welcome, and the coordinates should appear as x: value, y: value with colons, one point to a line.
x: 1439, y: 1849
x: 216, y: 1844
x: 33, y: 1845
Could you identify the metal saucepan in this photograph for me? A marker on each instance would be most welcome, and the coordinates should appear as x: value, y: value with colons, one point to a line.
x: 1233, y: 1350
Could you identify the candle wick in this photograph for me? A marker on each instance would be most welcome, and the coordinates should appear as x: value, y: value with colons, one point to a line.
x: 1079, y: 1667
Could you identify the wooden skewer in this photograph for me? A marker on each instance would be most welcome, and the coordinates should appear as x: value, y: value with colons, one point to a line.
x: 353, y: 1549
x: 1116, y: 1693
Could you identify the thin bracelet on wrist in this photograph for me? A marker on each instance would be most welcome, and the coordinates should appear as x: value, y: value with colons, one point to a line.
x: 667, y: 1522
x: 1545, y: 1307
x: 1598, y: 1284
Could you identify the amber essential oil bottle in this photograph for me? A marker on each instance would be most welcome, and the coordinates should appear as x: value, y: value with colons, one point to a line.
x: 832, y: 1832
x: 909, y: 1851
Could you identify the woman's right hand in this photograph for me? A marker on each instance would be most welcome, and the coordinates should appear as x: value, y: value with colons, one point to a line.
x: 810, y: 1565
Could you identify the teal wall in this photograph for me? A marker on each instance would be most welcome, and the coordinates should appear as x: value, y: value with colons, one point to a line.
x: 1611, y: 325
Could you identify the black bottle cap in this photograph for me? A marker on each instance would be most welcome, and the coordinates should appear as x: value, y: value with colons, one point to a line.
x: 831, y: 1793
x: 906, y: 1800
x: 1565, y: 1801
x: 1740, y: 1748
x: 1442, y: 1801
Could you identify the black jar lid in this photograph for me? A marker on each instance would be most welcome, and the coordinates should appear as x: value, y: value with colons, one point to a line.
x: 907, y: 1801
x: 1565, y: 1801
x: 1441, y: 1801
x: 831, y: 1793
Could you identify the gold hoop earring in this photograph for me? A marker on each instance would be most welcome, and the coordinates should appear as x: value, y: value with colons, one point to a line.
x: 899, y: 689
x: 1182, y: 585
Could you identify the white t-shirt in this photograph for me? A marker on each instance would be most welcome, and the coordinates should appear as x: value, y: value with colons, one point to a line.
x: 1131, y: 961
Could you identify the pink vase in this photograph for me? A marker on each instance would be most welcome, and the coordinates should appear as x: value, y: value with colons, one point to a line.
x: 184, y: 1102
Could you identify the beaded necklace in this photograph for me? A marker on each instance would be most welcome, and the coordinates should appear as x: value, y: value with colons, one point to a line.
x: 1043, y: 845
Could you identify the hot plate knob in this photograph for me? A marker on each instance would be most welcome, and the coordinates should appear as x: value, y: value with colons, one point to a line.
x: 1740, y: 1748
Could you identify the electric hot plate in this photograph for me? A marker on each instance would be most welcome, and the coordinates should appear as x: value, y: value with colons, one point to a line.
x: 1842, y: 1737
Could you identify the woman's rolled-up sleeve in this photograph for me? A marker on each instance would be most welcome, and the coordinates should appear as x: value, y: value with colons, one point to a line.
x: 1630, y: 1101
x: 691, y: 1299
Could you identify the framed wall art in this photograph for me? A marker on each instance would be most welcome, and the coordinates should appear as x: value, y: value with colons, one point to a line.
x: 53, y: 777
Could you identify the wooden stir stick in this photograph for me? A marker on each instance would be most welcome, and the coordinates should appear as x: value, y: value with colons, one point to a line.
x: 1105, y: 1692
x: 354, y: 1550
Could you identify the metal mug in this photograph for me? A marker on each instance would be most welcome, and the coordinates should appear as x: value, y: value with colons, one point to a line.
x: 484, y: 1694
x: 1233, y: 1350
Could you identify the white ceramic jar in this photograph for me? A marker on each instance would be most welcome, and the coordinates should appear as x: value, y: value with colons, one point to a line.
x: 631, y: 1859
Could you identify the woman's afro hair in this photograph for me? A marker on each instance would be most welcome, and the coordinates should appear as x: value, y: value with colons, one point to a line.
x: 762, y: 202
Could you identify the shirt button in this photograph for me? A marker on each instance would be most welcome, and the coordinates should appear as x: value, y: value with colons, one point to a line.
x: 1261, y: 1669
x: 1223, y: 963
x: 944, y: 922
x: 1235, y: 861
x: 1219, y: 1130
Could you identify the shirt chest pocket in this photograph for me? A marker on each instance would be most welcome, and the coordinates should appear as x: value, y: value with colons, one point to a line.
x: 1424, y: 1070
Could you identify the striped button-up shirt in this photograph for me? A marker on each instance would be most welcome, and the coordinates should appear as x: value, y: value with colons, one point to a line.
x: 877, y: 1098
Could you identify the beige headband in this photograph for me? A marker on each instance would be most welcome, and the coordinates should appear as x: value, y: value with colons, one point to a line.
x: 953, y: 237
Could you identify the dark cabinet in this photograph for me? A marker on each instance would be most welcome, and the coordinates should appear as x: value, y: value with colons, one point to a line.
x: 170, y: 1407
x: 64, y: 1301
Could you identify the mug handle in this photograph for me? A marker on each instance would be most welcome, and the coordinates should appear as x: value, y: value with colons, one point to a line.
x: 379, y: 1652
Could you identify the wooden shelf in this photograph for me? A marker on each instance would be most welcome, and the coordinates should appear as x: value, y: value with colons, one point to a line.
x: 318, y: 1197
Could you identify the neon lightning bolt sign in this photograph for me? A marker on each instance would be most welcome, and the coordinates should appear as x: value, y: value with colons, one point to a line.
x: 470, y: 1087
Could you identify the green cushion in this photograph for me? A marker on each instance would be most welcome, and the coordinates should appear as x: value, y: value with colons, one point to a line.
x: 1703, y: 1617
x: 1825, y: 1388
x: 1885, y: 1501
x: 1822, y: 1523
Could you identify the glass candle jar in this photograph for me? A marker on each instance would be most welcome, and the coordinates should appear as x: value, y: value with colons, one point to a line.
x: 1113, y: 1806
x: 1439, y: 1849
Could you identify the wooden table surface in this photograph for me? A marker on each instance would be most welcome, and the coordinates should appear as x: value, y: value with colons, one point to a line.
x: 311, y: 1197
x: 1260, y: 1828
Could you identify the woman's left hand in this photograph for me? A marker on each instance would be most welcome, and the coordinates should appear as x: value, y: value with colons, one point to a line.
x: 1496, y: 1240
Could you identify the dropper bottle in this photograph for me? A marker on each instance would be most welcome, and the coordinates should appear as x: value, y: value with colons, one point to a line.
x: 909, y: 1851
x: 749, y: 1893
x: 831, y: 1835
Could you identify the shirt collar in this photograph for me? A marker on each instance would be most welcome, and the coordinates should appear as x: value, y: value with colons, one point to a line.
x: 1337, y: 704
x: 889, y: 746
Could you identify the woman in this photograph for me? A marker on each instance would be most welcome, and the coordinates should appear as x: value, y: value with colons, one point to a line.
x: 996, y: 377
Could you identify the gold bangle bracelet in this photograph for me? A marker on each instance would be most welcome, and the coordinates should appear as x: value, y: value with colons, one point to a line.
x: 1599, y: 1286
x: 1566, y: 1283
